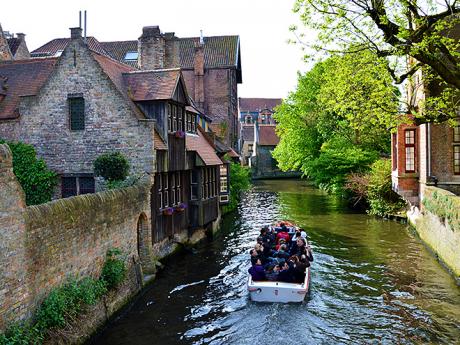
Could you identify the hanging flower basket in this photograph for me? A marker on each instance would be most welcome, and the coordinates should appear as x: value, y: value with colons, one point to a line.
x: 181, y: 207
x: 168, y: 211
x: 179, y: 134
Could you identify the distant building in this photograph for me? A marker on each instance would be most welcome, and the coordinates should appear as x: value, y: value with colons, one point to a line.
x: 211, y: 67
x: 13, y: 48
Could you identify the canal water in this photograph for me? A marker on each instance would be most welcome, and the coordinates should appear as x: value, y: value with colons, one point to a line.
x: 373, y: 282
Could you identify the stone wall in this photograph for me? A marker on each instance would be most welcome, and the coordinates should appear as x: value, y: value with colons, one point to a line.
x: 265, y: 166
x: 438, y: 225
x: 42, y: 246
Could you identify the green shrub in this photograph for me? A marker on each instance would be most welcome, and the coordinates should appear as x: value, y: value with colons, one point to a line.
x: 111, y: 166
x: 240, y: 180
x: 114, y: 270
x: 382, y: 199
x: 21, y: 334
x: 36, y: 179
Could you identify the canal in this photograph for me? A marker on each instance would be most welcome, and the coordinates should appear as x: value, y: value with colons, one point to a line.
x: 372, y: 282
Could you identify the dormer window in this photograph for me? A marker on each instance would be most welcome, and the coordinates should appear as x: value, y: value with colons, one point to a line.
x: 58, y: 53
x: 131, y: 56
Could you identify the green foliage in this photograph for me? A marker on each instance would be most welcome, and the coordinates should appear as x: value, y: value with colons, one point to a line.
x: 381, y: 198
x: 66, y: 302
x: 443, y: 204
x: 112, y: 166
x: 36, y: 179
x: 337, y: 121
x: 240, y: 180
x: 114, y: 270
x: 392, y: 30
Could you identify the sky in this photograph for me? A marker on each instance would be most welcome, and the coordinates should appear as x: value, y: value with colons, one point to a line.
x: 269, y: 63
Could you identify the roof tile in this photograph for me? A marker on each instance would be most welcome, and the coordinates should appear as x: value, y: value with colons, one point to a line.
x: 199, y: 144
x: 258, y: 104
x: 152, y: 85
x: 267, y: 135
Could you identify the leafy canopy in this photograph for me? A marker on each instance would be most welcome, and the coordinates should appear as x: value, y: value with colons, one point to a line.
x: 425, y: 30
x: 337, y: 121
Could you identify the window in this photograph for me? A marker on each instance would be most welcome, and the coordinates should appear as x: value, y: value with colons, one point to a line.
x: 178, y: 188
x: 409, y: 141
x: 173, y: 189
x: 165, y: 190
x: 131, y: 56
x: 76, y: 185
x: 250, y: 148
x: 457, y: 159
x: 223, y: 179
x: 194, y: 185
x: 174, y: 117
x: 180, y: 119
x: 456, y: 150
x: 160, y: 191
x: 77, y: 113
x: 169, y: 117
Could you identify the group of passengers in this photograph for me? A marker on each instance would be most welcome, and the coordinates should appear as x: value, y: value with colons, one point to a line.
x: 280, y: 256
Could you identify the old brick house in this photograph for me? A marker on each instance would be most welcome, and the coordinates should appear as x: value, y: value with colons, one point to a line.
x: 82, y: 103
x: 211, y: 67
x: 254, y: 110
x: 13, y: 48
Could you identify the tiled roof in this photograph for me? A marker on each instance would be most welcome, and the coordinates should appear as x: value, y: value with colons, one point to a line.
x: 267, y: 135
x: 202, y: 147
x: 257, y: 104
x: 219, y: 51
x: 232, y: 153
x: 158, y: 143
x: 25, y: 78
x: 152, y: 85
x: 59, y: 44
x: 14, y: 43
x: 247, y: 132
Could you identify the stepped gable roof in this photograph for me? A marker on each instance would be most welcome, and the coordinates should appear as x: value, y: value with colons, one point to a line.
x: 247, y: 132
x: 152, y: 84
x: 219, y: 51
x: 14, y: 44
x: 199, y: 144
x: 59, y: 44
x: 258, y: 104
x: 267, y: 135
x: 22, y: 78
x: 118, y: 50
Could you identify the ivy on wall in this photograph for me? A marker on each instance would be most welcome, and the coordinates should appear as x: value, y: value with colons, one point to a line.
x: 443, y: 204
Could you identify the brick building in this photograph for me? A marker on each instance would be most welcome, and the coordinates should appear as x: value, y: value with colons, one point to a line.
x: 252, y: 111
x: 13, y: 48
x: 211, y: 67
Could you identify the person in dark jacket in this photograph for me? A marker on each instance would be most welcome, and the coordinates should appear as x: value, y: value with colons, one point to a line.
x: 272, y: 273
x: 257, y: 271
x: 254, y: 256
x: 299, y: 248
x: 286, y: 274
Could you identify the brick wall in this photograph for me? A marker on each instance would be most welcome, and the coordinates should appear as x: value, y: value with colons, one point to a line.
x: 42, y: 246
x: 110, y: 124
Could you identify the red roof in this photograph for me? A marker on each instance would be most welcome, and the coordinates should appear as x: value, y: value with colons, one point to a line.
x: 24, y: 78
x: 158, y: 143
x: 59, y: 44
x: 267, y: 135
x: 199, y: 144
x: 232, y: 153
x: 152, y: 85
x: 258, y: 104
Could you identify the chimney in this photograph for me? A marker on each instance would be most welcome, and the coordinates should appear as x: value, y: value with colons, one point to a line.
x: 198, y: 68
x: 75, y: 33
x: 21, y: 36
x: 172, y: 52
x: 151, y: 48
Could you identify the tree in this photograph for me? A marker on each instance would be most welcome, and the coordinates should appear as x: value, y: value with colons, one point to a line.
x: 111, y: 166
x: 337, y: 120
x: 393, y: 29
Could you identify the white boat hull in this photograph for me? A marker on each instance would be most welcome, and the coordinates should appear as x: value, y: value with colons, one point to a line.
x: 268, y: 291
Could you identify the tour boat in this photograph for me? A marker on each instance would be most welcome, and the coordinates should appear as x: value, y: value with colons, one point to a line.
x: 275, y: 291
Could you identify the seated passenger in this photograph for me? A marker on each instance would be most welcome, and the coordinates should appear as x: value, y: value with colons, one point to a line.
x: 285, y: 274
x: 257, y: 271
x: 282, y: 241
x: 299, y: 248
x: 254, y: 256
x: 282, y: 253
x: 272, y: 273
x: 282, y: 234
